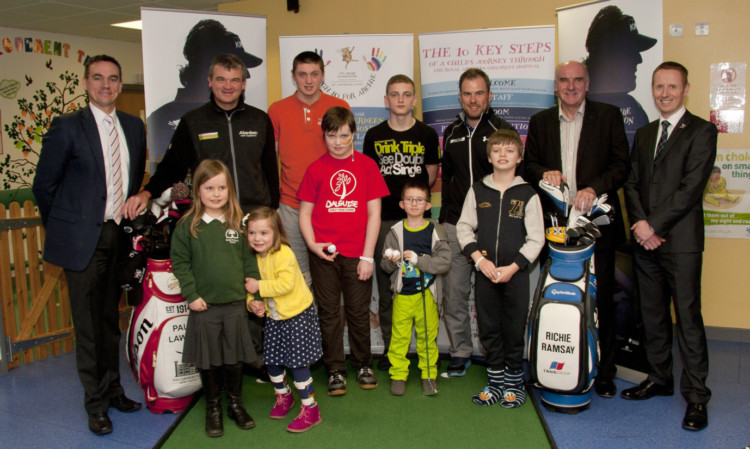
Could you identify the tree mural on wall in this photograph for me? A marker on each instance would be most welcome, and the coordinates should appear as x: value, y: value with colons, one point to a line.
x: 31, y: 123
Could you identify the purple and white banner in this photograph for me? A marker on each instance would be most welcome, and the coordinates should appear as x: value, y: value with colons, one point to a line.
x: 357, y: 69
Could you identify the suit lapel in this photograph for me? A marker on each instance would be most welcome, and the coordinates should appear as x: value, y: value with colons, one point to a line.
x: 676, y: 133
x: 555, y: 138
x: 91, y: 129
x: 589, y: 119
x: 647, y: 151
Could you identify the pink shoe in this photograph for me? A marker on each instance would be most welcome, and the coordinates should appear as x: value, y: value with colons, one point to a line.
x: 308, y: 418
x: 284, y: 403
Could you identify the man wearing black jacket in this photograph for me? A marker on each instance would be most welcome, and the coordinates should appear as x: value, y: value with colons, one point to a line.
x: 582, y: 143
x: 464, y: 163
x: 226, y: 129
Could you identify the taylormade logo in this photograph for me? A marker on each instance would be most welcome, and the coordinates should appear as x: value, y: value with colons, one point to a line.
x: 562, y: 292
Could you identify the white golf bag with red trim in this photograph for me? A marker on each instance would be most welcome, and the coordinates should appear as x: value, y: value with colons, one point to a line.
x: 155, y: 340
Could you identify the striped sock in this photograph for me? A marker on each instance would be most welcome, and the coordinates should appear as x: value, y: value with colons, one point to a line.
x: 514, y: 394
x: 493, y: 392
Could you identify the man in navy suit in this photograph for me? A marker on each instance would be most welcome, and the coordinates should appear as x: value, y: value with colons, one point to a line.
x: 91, y: 160
x: 582, y: 142
x: 671, y: 162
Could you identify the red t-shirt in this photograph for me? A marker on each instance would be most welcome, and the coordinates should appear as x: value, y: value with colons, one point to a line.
x: 339, y: 190
x: 300, y: 138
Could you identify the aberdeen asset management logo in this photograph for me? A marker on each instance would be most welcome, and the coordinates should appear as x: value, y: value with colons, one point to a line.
x: 343, y: 183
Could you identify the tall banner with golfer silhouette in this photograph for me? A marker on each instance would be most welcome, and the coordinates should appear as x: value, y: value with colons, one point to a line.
x: 178, y: 47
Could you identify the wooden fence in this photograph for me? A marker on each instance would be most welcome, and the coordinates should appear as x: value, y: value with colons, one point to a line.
x: 34, y: 293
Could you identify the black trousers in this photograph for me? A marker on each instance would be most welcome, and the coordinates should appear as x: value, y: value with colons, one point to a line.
x: 94, y: 296
x: 604, y: 266
x: 502, y: 310
x: 665, y: 278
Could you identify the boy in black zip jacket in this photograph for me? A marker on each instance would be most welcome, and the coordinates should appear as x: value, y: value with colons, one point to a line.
x: 502, y: 229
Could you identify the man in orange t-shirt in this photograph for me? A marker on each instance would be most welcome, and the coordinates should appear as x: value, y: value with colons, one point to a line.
x: 299, y: 141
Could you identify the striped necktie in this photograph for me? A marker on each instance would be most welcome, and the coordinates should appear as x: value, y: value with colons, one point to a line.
x: 114, y: 151
x: 663, y: 139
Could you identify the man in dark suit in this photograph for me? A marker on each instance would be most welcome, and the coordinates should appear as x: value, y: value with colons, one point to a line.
x: 91, y: 160
x: 671, y: 162
x: 582, y: 142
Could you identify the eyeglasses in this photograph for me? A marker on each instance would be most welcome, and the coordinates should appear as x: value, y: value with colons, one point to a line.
x: 415, y: 200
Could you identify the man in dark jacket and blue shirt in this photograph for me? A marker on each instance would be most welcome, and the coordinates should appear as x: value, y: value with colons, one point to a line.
x: 227, y: 129
x: 464, y: 163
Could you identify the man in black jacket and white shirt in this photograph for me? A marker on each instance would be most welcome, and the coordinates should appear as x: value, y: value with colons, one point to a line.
x: 464, y: 162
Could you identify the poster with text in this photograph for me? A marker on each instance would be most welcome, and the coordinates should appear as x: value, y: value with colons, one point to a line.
x: 728, y: 96
x: 621, y: 43
x: 178, y: 47
x: 726, y: 198
x: 519, y: 61
x: 357, y: 69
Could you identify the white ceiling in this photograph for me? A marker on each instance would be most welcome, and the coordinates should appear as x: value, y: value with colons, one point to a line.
x: 90, y: 18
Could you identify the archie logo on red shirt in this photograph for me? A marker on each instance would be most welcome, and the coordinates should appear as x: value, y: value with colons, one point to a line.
x: 343, y: 183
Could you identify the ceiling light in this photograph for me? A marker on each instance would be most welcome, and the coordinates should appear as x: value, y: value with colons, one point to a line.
x: 134, y: 25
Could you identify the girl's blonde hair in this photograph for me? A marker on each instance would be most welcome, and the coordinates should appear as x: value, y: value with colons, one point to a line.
x: 232, y: 211
x: 266, y: 213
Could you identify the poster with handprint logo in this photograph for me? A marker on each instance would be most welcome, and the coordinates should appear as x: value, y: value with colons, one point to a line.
x: 357, y: 70
x: 377, y: 59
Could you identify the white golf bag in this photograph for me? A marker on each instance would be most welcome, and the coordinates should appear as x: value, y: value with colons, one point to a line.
x: 155, y: 340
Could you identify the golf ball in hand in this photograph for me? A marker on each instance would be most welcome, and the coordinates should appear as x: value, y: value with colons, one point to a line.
x: 331, y: 248
x: 388, y: 252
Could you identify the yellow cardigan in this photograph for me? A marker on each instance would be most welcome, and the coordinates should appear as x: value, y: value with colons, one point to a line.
x: 283, y: 284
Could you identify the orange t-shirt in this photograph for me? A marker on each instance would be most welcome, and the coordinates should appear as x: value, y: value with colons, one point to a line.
x: 300, y: 139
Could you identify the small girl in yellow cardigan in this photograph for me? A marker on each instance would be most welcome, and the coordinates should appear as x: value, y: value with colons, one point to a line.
x: 292, y: 334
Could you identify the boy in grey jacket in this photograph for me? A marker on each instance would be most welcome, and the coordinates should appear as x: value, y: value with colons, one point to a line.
x: 417, y: 255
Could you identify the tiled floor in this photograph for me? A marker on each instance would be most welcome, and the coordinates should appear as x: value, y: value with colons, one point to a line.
x: 41, y: 406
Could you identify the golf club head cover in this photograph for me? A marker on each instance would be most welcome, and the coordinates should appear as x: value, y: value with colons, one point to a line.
x: 560, y: 195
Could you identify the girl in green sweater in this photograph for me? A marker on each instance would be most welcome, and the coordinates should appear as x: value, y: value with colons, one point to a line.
x: 211, y: 259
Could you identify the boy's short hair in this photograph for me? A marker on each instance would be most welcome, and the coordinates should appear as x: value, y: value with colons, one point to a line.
x: 336, y: 117
x: 400, y: 78
x: 715, y: 170
x: 416, y: 184
x: 503, y: 137
x: 308, y: 57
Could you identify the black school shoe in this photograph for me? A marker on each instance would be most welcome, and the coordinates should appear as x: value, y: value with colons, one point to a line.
x: 696, y: 417
x: 99, y: 423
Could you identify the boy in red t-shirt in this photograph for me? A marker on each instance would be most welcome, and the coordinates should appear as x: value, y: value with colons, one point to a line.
x: 339, y: 220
